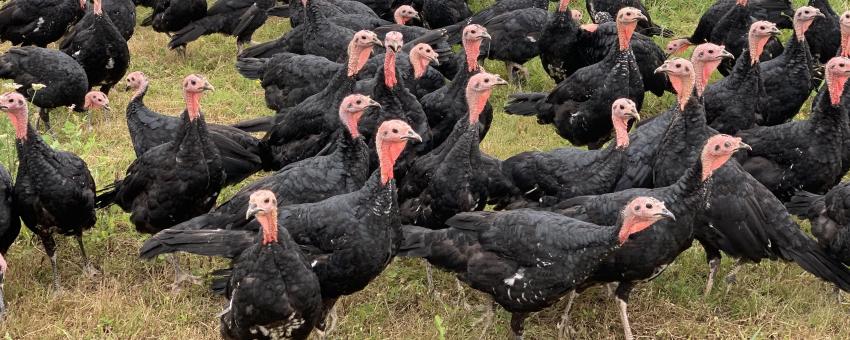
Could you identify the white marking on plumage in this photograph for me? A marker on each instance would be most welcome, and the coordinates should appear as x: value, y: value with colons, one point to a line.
x: 314, y: 263
x: 38, y: 24
x: 530, y: 38
x: 518, y: 276
x: 110, y: 63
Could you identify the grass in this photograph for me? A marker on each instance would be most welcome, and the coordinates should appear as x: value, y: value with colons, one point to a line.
x: 131, y: 299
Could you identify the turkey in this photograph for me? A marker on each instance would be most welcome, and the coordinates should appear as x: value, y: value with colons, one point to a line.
x: 824, y: 34
x: 442, y: 13
x: 98, y: 46
x: 557, y: 42
x: 731, y: 104
x: 576, y: 105
x: 829, y: 218
x: 803, y: 154
x: 732, y: 31
x: 527, y: 260
x: 54, y: 190
x: 648, y: 253
x: 514, y: 39
x: 170, y: 16
x: 568, y: 172
x: 776, y: 11
x: 238, y: 18
x: 304, y: 130
x: 272, y: 289
x: 27, y: 22
x: 448, y: 180
x: 647, y: 27
x: 64, y: 79
x: 344, y: 170
x: 175, y: 181
x: 791, y: 77
x: 349, y: 239
x: 123, y: 16
x: 240, y: 151
x: 445, y: 106
x: 745, y: 220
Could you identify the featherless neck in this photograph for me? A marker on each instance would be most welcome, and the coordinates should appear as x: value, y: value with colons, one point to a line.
x: 141, y: 90
x: 756, y: 46
x: 472, y: 48
x: 19, y: 119
x: 388, y: 153
x: 632, y: 224
x: 193, y: 105
x: 801, y: 27
x: 703, y: 70
x: 357, y: 58
x: 624, y: 34
x: 684, y: 88
x: 390, y: 79
x: 97, y: 7
x: 621, y: 133
x: 563, y: 6
x: 845, y: 42
x: 420, y: 65
x: 268, y: 221
x: 476, y: 101
x: 835, y: 87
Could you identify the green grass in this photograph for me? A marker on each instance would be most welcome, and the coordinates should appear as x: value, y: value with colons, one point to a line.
x: 131, y: 299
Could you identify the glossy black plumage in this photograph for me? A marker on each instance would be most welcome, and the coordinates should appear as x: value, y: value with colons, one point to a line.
x: 10, y: 222
x: 514, y: 35
x: 442, y: 13
x: 559, y: 35
x: 172, y: 15
x: 65, y: 80
x: 789, y: 80
x: 801, y: 154
x: 732, y: 103
x: 732, y: 30
x: 239, y: 18
x: 330, y: 9
x: 824, y: 36
x: 779, y: 12
x: 40, y: 22
x: 123, y: 16
x: 829, y: 217
x: 240, y: 151
x: 647, y: 27
x: 99, y: 47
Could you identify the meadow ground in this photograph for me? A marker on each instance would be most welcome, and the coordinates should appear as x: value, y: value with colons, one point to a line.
x: 132, y: 299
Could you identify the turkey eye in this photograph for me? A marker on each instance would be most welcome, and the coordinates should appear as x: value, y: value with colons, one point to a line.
x: 472, y: 31
x: 637, y: 208
x: 761, y: 28
x: 486, y: 80
x: 622, y: 107
x: 193, y: 82
x: 132, y: 79
x: 11, y: 100
x: 99, y: 99
x: 841, y: 65
x: 20, y: 102
x: 395, y: 130
x: 359, y: 102
x: 649, y: 205
x: 266, y: 200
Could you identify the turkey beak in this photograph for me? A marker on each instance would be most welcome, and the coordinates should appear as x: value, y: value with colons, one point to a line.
x: 744, y: 146
x: 634, y: 114
x: 661, y: 69
x: 253, y: 209
x: 640, y: 17
x: 666, y: 214
x: 373, y: 103
x: 412, y: 135
x: 107, y: 108
x: 499, y: 81
x: 377, y: 41
x: 485, y: 35
x: 820, y: 14
x: 434, y: 59
x: 774, y: 31
x: 395, y: 46
x: 208, y: 87
x: 726, y: 54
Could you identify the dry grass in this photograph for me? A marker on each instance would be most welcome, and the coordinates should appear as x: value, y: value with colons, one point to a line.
x: 131, y: 299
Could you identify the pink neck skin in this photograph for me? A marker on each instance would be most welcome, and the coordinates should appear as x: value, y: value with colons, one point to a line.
x: 19, y: 121
x: 742, y: 3
x: 845, y: 41
x: 357, y: 57
x: 684, y: 87
x: 621, y: 132
x: 476, y: 100
x: 631, y: 225
x: 97, y: 8
x: 193, y: 104
x: 3, y: 265
x: 590, y: 27
x: 625, y: 32
x: 800, y: 28
x: 472, y: 47
x: 710, y: 163
x: 563, y: 5
x: 387, y: 155
x: 269, y: 223
x: 399, y: 19
x: 835, y: 84
x: 756, y: 47
x: 420, y: 65
x: 351, y: 121
x: 390, y: 79
x: 704, y: 68
x: 143, y: 85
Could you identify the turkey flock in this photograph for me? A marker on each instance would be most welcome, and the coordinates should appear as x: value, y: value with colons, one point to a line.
x: 370, y: 148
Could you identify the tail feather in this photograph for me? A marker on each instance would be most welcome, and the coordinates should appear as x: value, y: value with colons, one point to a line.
x: 262, y: 124
x: 220, y: 284
x: 281, y: 11
x: 252, y: 68
x: 223, y: 243
x: 805, y: 204
x: 246, y: 19
x: 107, y: 195
x: 194, y: 31
x: 525, y: 104
x: 148, y: 21
x: 415, y: 241
x: 815, y: 261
